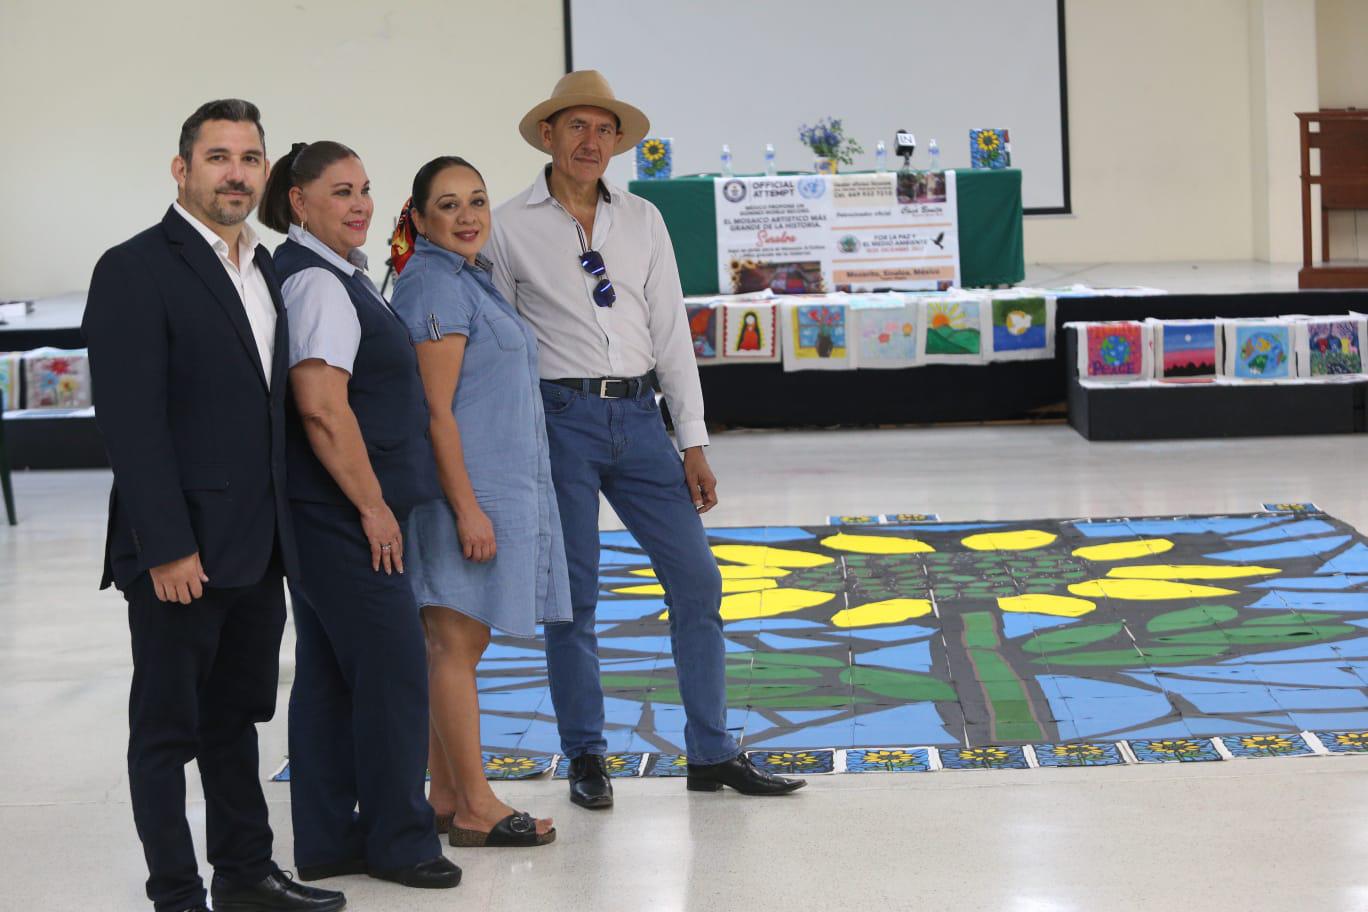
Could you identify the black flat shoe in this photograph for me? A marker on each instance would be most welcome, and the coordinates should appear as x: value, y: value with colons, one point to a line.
x: 589, y: 784
x: 739, y: 773
x: 277, y: 892
x: 335, y: 869
x: 434, y: 874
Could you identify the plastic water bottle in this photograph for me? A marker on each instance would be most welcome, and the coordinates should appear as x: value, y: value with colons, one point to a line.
x: 880, y: 157
x: 935, y: 155
x: 769, y: 160
x: 727, y: 161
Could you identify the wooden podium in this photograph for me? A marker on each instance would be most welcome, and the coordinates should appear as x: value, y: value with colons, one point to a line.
x: 1342, y: 138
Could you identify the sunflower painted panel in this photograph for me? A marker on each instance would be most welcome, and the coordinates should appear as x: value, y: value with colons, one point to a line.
x: 1082, y: 753
x: 666, y: 766
x: 794, y: 763
x: 992, y: 756
x: 1344, y: 742
x: 1175, y: 750
x: 1288, y: 745
x: 511, y: 766
x: 990, y: 148
x: 888, y: 760
x: 655, y: 159
x: 619, y: 766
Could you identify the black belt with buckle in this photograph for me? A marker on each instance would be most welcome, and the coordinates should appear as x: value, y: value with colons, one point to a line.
x: 608, y: 387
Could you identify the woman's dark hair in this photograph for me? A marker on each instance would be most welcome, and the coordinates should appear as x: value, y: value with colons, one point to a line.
x: 302, y: 164
x: 422, y: 181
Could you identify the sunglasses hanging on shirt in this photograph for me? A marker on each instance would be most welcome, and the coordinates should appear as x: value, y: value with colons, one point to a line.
x: 591, y: 261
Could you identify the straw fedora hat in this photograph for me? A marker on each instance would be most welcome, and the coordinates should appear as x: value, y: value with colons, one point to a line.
x: 586, y: 87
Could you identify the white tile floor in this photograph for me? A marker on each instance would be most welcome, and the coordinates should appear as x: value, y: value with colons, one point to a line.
x: 1250, y: 835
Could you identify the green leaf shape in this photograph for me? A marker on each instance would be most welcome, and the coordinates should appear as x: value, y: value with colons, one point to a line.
x: 902, y: 685
x: 1291, y: 619
x: 1129, y: 658
x: 793, y: 658
x: 1190, y: 618
x: 1070, y: 638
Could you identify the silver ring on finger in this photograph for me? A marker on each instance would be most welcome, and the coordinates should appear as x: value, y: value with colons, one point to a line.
x: 387, y: 547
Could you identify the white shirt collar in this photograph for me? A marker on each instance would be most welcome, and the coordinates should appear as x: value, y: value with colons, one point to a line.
x: 248, y: 238
x: 541, y: 189
x: 355, y: 260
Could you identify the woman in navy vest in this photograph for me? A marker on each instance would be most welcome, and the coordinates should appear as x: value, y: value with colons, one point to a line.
x: 358, y: 460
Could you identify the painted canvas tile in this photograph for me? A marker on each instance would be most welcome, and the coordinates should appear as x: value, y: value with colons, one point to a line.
x: 703, y: 328
x: 989, y: 757
x: 954, y: 330
x: 619, y: 766
x: 1344, y: 742
x: 56, y: 379
x: 750, y: 332
x: 10, y: 367
x: 888, y: 760
x: 666, y: 766
x: 1022, y: 329
x: 655, y: 159
x: 1258, y: 350
x: 887, y: 337
x: 1079, y: 754
x: 1288, y: 745
x: 1186, y: 352
x: 794, y: 763
x: 1113, y: 351
x: 1174, y: 750
x: 509, y: 766
x: 1335, y: 347
x: 990, y: 148
x: 817, y: 336
x: 1291, y: 507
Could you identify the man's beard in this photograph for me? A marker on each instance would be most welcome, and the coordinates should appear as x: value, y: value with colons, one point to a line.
x: 223, y: 215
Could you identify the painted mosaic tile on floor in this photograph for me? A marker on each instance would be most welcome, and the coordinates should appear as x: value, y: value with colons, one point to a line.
x: 1235, y: 634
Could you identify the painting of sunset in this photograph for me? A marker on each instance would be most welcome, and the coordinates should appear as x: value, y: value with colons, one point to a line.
x: 1189, y: 351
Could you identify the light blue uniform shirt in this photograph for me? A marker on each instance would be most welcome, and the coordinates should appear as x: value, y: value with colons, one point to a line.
x: 498, y: 408
x: 323, y: 321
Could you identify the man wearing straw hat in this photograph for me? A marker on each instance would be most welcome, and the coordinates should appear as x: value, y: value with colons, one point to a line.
x: 591, y: 267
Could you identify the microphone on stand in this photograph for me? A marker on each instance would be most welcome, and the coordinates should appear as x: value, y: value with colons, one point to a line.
x: 905, y: 144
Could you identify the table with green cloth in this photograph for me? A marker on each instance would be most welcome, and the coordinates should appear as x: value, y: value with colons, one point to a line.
x: 988, y: 203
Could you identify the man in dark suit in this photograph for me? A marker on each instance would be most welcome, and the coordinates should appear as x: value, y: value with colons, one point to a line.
x: 188, y: 350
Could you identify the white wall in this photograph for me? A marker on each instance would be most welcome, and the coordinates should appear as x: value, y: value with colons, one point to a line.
x: 94, y: 95
x: 1160, y: 107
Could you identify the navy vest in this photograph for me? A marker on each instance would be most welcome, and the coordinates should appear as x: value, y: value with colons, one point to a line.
x: 385, y: 393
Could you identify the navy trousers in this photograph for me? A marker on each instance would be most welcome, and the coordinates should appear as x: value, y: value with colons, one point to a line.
x: 359, y: 705
x: 204, y: 675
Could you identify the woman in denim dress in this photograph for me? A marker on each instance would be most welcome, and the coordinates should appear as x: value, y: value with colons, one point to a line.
x: 490, y: 554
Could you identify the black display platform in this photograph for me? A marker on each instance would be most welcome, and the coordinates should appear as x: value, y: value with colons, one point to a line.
x: 60, y: 442
x: 1204, y: 410
x: 763, y: 395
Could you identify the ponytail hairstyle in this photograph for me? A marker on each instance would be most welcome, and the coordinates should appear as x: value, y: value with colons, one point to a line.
x: 301, y: 165
x: 405, y: 235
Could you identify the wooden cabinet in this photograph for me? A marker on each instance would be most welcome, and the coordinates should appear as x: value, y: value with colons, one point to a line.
x: 1341, y: 136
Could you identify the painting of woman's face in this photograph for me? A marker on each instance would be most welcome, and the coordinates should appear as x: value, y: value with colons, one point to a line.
x: 751, y: 321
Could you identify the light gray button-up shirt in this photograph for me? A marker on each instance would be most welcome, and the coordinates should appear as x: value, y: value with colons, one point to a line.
x: 535, y: 248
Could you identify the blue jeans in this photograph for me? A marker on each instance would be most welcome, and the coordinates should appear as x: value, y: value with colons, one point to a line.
x: 619, y: 447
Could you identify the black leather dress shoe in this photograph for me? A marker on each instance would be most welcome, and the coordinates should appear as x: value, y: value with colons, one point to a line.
x: 589, y: 784
x: 276, y: 893
x: 739, y: 773
x: 434, y: 874
x: 335, y: 869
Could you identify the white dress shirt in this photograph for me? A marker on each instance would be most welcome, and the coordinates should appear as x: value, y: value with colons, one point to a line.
x: 249, y: 282
x: 535, y: 249
x: 323, y: 320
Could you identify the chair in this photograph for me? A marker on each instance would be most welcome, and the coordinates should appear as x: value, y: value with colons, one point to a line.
x: 5, y: 467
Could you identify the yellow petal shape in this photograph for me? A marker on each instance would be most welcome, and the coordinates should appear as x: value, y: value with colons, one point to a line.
x: 728, y: 585
x: 765, y: 556
x: 1024, y: 540
x: 1124, y: 550
x: 889, y: 611
x: 730, y: 571
x: 1043, y: 603
x: 1188, y: 571
x: 876, y: 544
x: 1144, y: 590
x: 771, y: 603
